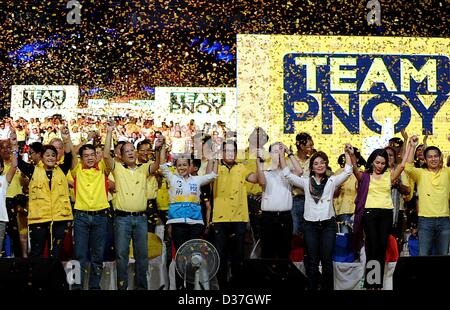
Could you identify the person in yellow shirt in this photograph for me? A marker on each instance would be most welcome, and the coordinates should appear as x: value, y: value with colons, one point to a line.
x: 130, y: 205
x: 400, y: 192
x: 13, y: 190
x: 90, y: 212
x: 230, y: 212
x: 374, y: 210
x: 433, y: 188
x: 144, y: 149
x: 5, y: 180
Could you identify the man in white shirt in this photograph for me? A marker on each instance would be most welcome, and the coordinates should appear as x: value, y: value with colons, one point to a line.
x: 276, y: 204
x: 4, y: 132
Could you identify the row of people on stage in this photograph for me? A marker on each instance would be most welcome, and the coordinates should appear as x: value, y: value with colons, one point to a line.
x: 281, y: 193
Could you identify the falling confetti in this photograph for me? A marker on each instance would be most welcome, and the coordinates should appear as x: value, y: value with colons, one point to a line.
x: 123, y: 47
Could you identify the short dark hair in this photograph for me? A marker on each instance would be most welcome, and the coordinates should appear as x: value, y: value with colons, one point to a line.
x: 143, y: 142
x: 48, y: 147
x: 371, y: 159
x: 361, y: 161
x: 396, y: 140
x: 84, y: 148
x: 302, y: 138
x: 316, y: 155
x: 187, y: 158
x: 36, y: 147
x: 229, y: 142
x: 121, y: 143
x: 196, y: 162
x: 431, y: 148
x: 341, y: 160
x: 121, y: 148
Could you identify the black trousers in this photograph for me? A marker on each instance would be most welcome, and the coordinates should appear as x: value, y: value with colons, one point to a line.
x: 229, y: 241
x: 276, y: 234
x: 40, y: 234
x: 377, y: 224
x: 254, y: 213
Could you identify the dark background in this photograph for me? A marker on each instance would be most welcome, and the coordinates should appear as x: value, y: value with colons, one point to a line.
x: 145, y: 43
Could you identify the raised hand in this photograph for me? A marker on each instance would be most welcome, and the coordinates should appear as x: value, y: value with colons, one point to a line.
x: 284, y: 148
x: 159, y: 142
x: 404, y: 134
x: 207, y: 150
x: 13, y: 137
x: 348, y: 148
x: 425, y: 139
x: 414, y: 140
x: 110, y: 125
x: 65, y: 134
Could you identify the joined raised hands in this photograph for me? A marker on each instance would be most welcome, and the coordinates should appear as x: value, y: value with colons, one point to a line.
x: 348, y: 148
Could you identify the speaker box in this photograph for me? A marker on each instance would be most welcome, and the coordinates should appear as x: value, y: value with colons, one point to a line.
x: 269, y: 273
x: 34, y: 274
x: 421, y: 273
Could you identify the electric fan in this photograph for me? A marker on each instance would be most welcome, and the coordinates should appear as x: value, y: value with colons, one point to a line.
x: 197, y: 262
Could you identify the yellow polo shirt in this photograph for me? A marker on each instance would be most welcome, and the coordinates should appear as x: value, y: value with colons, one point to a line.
x: 433, y: 190
x: 152, y: 187
x: 131, y: 187
x: 14, y: 187
x: 91, y: 189
x: 379, y: 195
x: 230, y: 194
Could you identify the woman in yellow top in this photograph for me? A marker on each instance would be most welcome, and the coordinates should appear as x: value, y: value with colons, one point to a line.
x: 374, y: 212
x: 49, y: 208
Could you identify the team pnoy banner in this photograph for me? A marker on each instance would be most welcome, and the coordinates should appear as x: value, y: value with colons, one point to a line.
x: 30, y: 101
x: 202, y: 104
x: 361, y: 90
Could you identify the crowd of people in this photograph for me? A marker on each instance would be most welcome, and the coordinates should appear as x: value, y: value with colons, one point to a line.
x: 92, y: 179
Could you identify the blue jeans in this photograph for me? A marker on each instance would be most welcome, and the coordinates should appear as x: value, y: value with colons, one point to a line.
x: 89, y: 239
x: 320, y: 238
x: 127, y: 228
x: 345, y: 229
x: 434, y: 231
x: 298, y: 207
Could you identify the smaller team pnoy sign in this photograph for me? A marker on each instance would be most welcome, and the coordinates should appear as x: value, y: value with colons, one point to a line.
x: 202, y: 104
x: 31, y: 101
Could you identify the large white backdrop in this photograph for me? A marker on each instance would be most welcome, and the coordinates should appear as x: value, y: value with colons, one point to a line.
x: 30, y: 101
